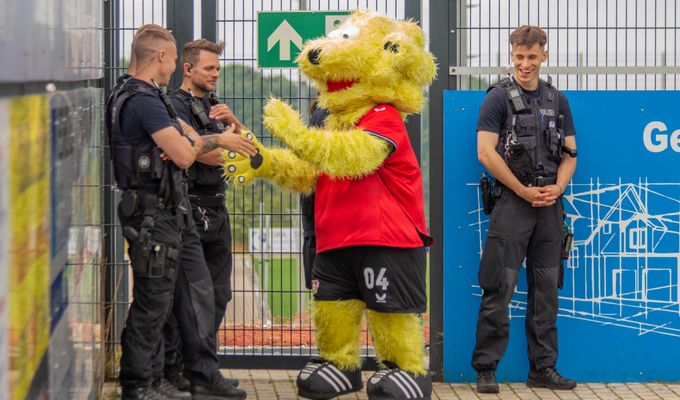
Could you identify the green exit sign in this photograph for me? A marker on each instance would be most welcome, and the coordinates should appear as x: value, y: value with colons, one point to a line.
x: 281, y: 35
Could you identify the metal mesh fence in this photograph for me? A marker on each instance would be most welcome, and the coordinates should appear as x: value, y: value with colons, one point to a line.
x: 592, y: 44
x: 122, y: 18
x: 269, y: 313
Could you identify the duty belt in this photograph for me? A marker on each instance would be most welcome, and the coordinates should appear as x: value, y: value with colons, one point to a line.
x: 148, y: 199
x: 215, y: 200
x: 545, y: 180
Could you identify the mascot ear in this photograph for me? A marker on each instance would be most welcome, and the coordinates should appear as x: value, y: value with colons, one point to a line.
x: 406, y: 52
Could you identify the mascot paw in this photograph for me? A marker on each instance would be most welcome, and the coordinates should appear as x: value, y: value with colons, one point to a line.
x: 282, y: 120
x: 244, y: 169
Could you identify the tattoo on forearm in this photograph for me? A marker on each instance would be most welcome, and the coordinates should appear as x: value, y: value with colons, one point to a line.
x: 210, y: 143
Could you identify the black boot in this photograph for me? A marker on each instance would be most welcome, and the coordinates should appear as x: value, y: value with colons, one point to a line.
x: 218, y: 390
x: 549, y: 378
x: 167, y: 389
x: 486, y: 381
x: 179, y: 381
x: 320, y: 379
x: 141, y: 393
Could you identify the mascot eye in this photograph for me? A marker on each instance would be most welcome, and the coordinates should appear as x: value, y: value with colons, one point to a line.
x: 392, y: 47
x: 348, y: 32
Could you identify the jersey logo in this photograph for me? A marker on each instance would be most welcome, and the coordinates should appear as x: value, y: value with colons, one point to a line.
x: 378, y: 109
x: 380, y: 298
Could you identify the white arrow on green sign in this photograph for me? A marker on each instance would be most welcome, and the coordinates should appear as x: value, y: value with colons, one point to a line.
x: 281, y: 35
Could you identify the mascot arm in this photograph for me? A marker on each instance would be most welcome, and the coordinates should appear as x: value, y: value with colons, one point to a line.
x: 344, y: 153
x: 280, y: 166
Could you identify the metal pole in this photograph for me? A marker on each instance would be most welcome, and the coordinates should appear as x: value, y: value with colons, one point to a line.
x: 116, y: 279
x: 413, y: 123
x: 181, y: 23
x: 443, y: 46
x: 209, y: 20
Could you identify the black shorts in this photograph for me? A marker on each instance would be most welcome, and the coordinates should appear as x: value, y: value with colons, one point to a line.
x: 387, y: 279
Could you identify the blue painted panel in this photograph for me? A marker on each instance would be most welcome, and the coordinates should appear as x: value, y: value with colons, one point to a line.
x: 619, y: 317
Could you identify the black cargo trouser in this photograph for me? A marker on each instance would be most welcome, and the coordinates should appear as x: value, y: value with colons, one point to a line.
x: 154, y: 298
x: 518, y: 231
x: 216, y: 244
x: 309, y: 236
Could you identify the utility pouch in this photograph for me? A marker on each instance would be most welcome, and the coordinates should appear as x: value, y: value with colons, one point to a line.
x: 158, y: 163
x: 162, y: 261
x: 554, y: 140
x: 487, y: 187
x: 520, y: 163
x: 128, y: 203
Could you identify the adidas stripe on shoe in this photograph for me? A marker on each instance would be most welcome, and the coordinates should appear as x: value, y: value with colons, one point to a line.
x: 320, y: 379
x: 395, y: 383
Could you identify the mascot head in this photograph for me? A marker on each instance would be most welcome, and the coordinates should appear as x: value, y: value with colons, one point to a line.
x: 369, y: 60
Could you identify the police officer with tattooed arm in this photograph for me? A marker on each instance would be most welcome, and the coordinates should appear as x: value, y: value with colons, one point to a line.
x: 151, y: 148
x: 525, y: 139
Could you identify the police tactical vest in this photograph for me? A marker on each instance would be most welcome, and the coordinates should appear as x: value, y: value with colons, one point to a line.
x: 138, y: 166
x: 537, y: 128
x: 203, y: 178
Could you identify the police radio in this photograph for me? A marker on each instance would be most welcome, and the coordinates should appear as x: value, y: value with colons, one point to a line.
x: 514, y: 94
x: 198, y: 111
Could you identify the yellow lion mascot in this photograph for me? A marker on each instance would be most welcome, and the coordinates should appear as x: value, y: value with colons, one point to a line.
x: 370, y: 226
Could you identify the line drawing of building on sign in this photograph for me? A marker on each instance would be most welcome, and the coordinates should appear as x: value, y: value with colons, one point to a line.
x: 624, y: 265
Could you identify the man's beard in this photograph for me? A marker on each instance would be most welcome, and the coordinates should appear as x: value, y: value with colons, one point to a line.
x: 204, y: 88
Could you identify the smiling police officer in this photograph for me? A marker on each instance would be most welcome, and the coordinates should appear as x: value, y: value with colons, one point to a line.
x: 525, y: 128
x: 150, y: 149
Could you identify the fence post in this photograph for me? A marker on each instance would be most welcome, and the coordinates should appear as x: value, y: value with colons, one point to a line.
x: 181, y: 22
x: 209, y: 20
x: 443, y: 46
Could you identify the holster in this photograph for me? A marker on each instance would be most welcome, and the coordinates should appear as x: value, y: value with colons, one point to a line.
x: 487, y: 187
x: 567, y: 241
x: 149, y: 258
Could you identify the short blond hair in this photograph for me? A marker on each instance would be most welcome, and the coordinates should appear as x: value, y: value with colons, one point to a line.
x: 192, y: 50
x: 146, y: 39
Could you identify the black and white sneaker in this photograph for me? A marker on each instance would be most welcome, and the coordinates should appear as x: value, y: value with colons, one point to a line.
x: 320, y: 379
x: 394, y: 383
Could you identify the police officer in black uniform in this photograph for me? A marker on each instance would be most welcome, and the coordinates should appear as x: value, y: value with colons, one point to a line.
x: 307, y: 208
x: 150, y: 149
x: 197, y: 104
x: 526, y: 140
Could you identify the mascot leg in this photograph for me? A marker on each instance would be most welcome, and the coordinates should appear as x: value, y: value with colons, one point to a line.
x: 398, y: 340
x: 338, y: 371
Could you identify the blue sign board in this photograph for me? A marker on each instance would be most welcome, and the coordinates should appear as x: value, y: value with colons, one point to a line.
x: 619, y: 317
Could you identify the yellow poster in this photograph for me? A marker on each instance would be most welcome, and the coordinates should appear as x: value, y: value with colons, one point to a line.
x: 28, y: 214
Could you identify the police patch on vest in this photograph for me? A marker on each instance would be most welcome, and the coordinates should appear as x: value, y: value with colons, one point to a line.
x: 549, y: 112
x: 144, y: 162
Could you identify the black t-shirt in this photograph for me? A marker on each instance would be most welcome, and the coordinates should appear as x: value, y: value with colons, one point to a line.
x: 183, y: 109
x: 494, y: 110
x: 143, y: 115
